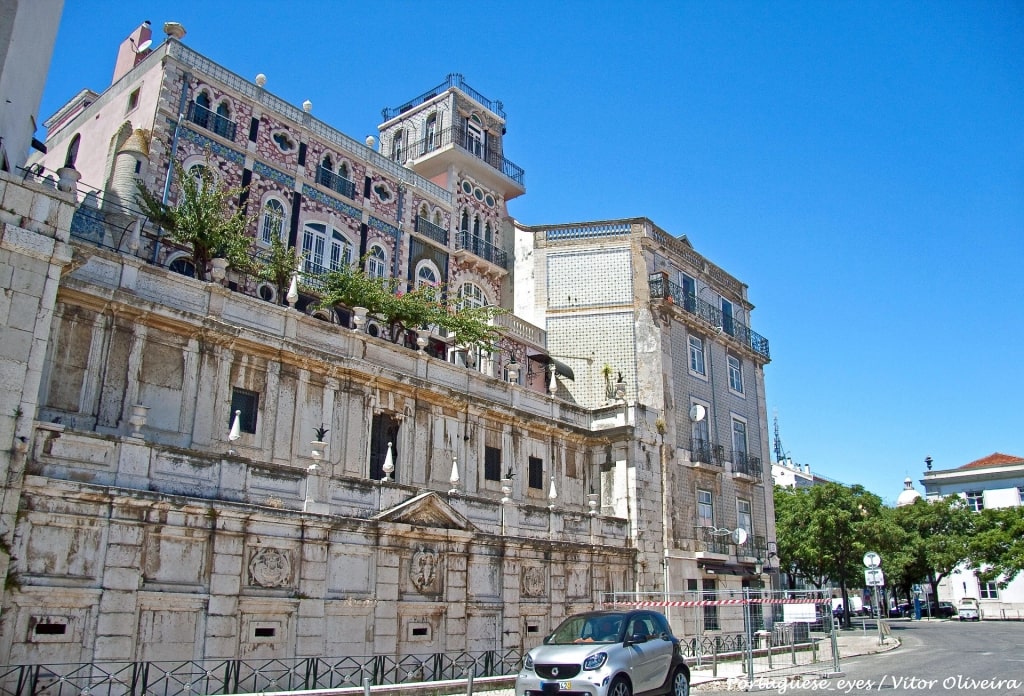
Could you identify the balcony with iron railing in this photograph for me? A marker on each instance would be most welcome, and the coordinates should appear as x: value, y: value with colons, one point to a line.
x: 462, y: 138
x: 710, y: 542
x: 703, y: 452
x: 335, y: 182
x: 465, y: 241
x: 211, y: 121
x: 746, y: 464
x: 753, y: 547
x: 431, y: 231
x: 453, y: 80
x: 663, y: 289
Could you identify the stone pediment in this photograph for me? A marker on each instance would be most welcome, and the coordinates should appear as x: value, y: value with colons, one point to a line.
x: 427, y: 510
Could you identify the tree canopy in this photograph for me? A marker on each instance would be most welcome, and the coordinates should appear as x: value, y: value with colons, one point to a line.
x: 203, y: 218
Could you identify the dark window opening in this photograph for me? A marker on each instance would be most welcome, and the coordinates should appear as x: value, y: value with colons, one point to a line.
x: 247, y: 403
x: 264, y: 632
x: 133, y: 100
x: 532, y: 628
x: 492, y: 464
x: 51, y: 629
x: 384, y: 431
x: 419, y: 631
x: 536, y: 473
x: 184, y: 266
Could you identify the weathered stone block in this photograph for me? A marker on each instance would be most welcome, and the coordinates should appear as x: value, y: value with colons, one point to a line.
x: 223, y: 584
x: 222, y: 606
x: 110, y: 624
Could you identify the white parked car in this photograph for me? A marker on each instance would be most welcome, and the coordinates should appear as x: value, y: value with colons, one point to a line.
x: 967, y: 609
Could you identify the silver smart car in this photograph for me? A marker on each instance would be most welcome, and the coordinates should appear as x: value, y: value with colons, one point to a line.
x: 607, y: 653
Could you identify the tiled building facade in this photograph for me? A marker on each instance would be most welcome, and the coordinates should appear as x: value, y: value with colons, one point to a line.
x: 146, y: 533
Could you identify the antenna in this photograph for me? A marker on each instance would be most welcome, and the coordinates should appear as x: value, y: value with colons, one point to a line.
x: 780, y: 454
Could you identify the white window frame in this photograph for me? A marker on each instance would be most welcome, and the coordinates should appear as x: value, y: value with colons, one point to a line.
x: 326, y: 249
x: 988, y: 589
x: 735, y: 373
x: 377, y: 262
x: 705, y: 502
x: 697, y: 362
x: 267, y: 218
x: 425, y: 269
x: 975, y: 500
x: 471, y: 295
x: 475, y: 137
x: 745, y: 518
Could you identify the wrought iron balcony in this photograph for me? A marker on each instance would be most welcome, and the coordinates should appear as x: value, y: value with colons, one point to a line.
x: 335, y: 182
x: 429, y: 229
x: 713, y: 543
x: 211, y: 121
x: 703, y: 452
x: 483, y: 249
x: 664, y: 289
x: 461, y: 137
x: 753, y: 547
x: 743, y: 463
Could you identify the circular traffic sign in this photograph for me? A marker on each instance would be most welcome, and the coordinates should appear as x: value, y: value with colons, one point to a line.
x: 872, y: 560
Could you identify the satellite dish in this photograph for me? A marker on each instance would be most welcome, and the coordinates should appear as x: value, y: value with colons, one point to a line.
x: 697, y: 413
x: 144, y: 46
x: 739, y: 536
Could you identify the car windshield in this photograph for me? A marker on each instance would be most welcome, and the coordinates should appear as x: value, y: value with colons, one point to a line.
x: 589, y: 628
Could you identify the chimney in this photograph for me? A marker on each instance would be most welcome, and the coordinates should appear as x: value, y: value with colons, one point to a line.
x: 133, y: 49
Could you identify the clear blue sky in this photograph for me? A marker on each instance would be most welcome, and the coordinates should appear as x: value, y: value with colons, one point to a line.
x: 860, y: 165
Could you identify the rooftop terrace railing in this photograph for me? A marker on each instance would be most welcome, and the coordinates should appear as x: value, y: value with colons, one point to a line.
x: 453, y: 80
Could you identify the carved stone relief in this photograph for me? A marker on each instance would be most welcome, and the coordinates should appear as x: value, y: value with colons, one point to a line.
x: 270, y: 567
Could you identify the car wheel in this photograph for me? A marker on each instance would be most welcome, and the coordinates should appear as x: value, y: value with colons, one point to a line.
x: 620, y: 687
x: 680, y: 684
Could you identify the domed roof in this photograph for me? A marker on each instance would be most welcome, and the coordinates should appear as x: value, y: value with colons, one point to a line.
x: 908, y: 495
x: 138, y: 142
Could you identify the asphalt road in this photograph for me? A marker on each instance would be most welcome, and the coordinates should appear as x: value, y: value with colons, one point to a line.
x: 936, y: 657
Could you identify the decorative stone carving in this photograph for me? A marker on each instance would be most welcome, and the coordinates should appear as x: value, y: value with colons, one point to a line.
x: 270, y: 567
x: 423, y: 571
x: 533, y: 581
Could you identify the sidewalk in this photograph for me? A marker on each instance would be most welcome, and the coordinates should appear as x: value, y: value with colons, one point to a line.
x: 849, y: 643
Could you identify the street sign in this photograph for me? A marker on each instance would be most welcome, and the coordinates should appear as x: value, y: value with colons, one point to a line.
x: 872, y: 560
x: 873, y: 577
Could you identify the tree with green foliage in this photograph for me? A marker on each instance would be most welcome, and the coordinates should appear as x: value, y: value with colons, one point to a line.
x: 204, y: 218
x: 427, y: 305
x: 825, y: 530
x: 277, y: 265
x: 996, y: 548
x: 939, y: 534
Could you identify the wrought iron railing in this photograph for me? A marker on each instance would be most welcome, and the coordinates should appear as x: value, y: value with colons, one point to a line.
x: 713, y: 543
x: 187, y: 678
x: 460, y: 136
x: 453, y: 80
x: 702, y: 451
x: 335, y: 182
x: 432, y: 231
x: 743, y: 463
x: 664, y: 289
x: 479, y: 247
x: 211, y: 121
x: 754, y: 547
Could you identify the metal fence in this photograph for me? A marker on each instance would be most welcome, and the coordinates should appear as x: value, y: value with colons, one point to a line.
x: 760, y: 632
x: 190, y: 678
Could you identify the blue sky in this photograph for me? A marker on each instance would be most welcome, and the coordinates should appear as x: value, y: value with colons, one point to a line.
x: 860, y: 165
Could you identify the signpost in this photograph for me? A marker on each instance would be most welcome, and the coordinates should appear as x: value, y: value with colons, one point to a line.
x: 873, y: 577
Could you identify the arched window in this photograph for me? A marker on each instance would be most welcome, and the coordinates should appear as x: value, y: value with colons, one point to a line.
x: 426, y: 274
x: 476, y: 225
x: 343, y: 170
x: 224, y: 110
x: 470, y: 296
x: 324, y: 248
x: 424, y: 212
x: 487, y: 233
x: 324, y: 174
x: 203, y: 100
x: 376, y: 262
x: 72, y: 155
x: 199, y: 173
x: 272, y: 221
x: 438, y: 219
x: 464, y: 225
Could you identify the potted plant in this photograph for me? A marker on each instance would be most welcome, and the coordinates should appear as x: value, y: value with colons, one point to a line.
x: 319, y: 445
x: 277, y: 265
x: 202, y: 219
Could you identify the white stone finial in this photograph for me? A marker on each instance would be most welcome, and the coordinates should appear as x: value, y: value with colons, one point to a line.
x: 261, y: 80
x: 307, y: 106
x: 389, y: 464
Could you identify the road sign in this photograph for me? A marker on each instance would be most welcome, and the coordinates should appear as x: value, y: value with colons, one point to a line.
x: 872, y: 560
x: 873, y: 577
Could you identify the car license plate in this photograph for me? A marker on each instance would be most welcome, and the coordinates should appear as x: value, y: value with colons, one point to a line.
x: 565, y: 685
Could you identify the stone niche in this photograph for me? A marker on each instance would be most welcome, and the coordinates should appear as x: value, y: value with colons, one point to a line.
x: 175, y: 557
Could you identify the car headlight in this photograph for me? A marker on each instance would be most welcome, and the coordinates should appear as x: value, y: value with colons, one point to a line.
x: 595, y: 661
x: 528, y: 662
